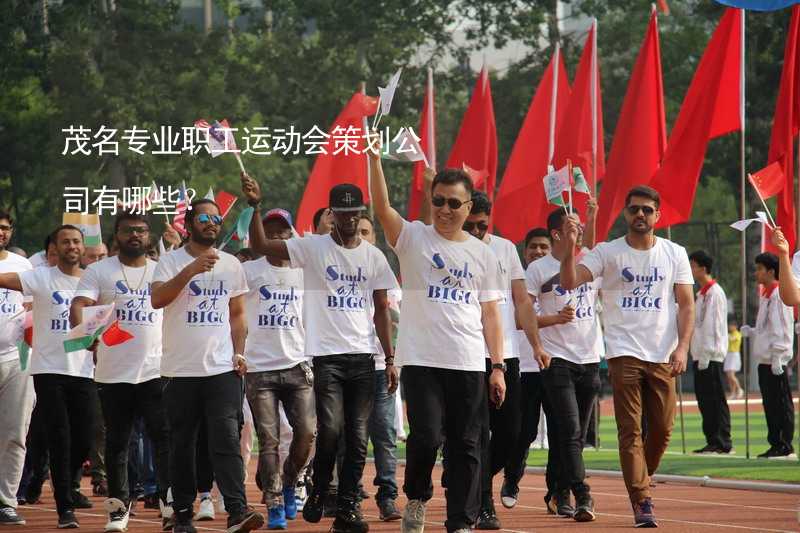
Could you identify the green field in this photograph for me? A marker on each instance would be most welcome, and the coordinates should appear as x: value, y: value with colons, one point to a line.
x: 735, y: 466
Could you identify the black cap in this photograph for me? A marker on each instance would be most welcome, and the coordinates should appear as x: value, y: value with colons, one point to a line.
x: 346, y: 197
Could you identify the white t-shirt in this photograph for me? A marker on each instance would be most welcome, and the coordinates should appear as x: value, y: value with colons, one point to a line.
x: 339, y: 283
x: 275, y: 333
x: 12, y: 314
x: 39, y: 259
x: 197, y: 328
x: 52, y: 292
x: 579, y: 341
x: 444, y: 284
x: 526, y: 361
x: 509, y: 268
x: 796, y: 266
x: 640, y: 314
x: 710, y: 336
x: 774, y: 339
x: 138, y: 359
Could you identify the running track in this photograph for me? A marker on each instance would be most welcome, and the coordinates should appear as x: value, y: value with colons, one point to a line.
x: 679, y: 508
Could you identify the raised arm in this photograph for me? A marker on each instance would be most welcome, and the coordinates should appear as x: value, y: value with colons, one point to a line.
x: 685, y: 299
x: 10, y: 280
x: 258, y: 240
x: 390, y: 219
x: 787, y: 286
x: 526, y: 317
x: 572, y: 275
x: 589, y: 232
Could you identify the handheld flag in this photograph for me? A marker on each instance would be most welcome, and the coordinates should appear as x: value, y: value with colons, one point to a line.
x: 405, y: 147
x: 114, y: 335
x: 386, y: 95
x: 88, y: 223
x: 95, y: 319
x: 220, y: 139
x: 179, y: 220
x: 579, y: 180
x: 768, y: 181
x: 225, y: 201
x: 753, y: 182
x: 556, y: 183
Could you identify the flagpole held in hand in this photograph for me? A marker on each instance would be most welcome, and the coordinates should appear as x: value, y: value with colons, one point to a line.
x: 569, y: 191
x: 239, y: 160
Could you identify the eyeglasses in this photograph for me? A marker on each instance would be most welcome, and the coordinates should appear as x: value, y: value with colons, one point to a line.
x: 452, y: 203
x: 646, y: 209
x: 130, y: 230
x: 205, y: 219
x: 469, y: 226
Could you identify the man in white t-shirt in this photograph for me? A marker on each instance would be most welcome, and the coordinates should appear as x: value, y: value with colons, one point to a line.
x: 16, y: 385
x: 127, y: 374
x: 647, y: 333
x: 708, y: 348
x: 502, y: 424
x: 450, y: 316
x: 572, y: 381
x: 202, y: 291
x: 63, y: 381
x: 346, y: 280
x: 278, y: 371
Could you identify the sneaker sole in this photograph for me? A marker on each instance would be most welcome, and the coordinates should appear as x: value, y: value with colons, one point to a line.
x: 71, y: 525
x: 391, y: 518
x: 584, y: 515
x: 252, y: 522
x: 203, y: 518
x: 508, y: 502
x: 649, y: 524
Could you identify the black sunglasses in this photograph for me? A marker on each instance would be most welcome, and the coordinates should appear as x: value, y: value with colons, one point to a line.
x: 469, y: 226
x: 452, y: 203
x: 646, y: 209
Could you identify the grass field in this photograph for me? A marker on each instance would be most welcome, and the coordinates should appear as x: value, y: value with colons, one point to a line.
x: 735, y: 466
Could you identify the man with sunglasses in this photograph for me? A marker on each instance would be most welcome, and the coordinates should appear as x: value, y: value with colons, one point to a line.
x: 450, y: 316
x: 503, y: 422
x: 128, y: 375
x: 346, y: 280
x: 202, y: 291
x: 648, y: 319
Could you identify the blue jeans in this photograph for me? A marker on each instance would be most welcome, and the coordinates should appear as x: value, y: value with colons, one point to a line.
x: 384, y: 439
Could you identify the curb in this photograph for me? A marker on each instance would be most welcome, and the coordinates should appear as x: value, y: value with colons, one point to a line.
x: 705, y: 481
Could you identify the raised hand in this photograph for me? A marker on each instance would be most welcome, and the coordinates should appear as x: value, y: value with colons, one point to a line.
x: 204, y: 262
x: 250, y: 189
x: 779, y: 241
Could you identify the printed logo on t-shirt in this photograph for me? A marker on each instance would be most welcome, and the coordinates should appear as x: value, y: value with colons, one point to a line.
x: 577, y: 298
x: 348, y: 293
x: 59, y: 320
x: 206, y: 304
x: 448, y: 284
x: 137, y: 308
x: 8, y: 307
x: 640, y: 292
x: 277, y: 306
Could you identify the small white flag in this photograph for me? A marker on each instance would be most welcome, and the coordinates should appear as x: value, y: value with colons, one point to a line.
x: 210, y: 194
x: 387, y: 93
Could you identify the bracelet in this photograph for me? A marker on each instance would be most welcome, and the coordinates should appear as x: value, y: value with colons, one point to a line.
x: 390, y: 361
x: 254, y: 204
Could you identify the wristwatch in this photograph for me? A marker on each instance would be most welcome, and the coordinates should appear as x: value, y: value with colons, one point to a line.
x: 499, y: 366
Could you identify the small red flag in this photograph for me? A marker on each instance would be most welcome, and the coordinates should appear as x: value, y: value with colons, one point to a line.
x: 768, y: 181
x: 225, y: 201
x: 114, y: 335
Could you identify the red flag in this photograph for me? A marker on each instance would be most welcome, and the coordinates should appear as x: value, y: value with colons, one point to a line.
x: 332, y: 169
x: 641, y: 124
x: 225, y: 201
x: 427, y: 135
x: 785, y: 125
x: 521, y: 204
x: 476, y: 144
x: 712, y: 107
x: 768, y: 181
x: 114, y: 335
x: 582, y: 135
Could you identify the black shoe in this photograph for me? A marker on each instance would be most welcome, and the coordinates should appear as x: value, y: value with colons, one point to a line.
x: 708, y: 448
x: 362, y: 494
x: 772, y: 452
x: 9, y: 516
x: 584, y: 508
x: 564, y: 506
x: 349, y: 520
x: 167, y: 524
x: 487, y: 519
x: 188, y: 527
x: 100, y: 487
x: 182, y: 521
x: 550, y: 502
x: 387, y: 511
x: 312, y: 510
x: 67, y: 520
x: 246, y: 520
x: 79, y: 501
x: 509, y: 494
x: 330, y: 506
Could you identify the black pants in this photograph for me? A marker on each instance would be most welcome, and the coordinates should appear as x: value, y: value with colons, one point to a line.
x: 68, y: 406
x: 533, y: 401
x: 778, y: 408
x: 122, y: 403
x: 709, y: 387
x: 205, y: 474
x: 34, y: 472
x: 573, y: 388
x: 501, y: 434
x: 217, y: 399
x: 445, y: 404
x: 344, y: 388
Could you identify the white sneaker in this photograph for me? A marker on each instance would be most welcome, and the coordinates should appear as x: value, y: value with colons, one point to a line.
x: 300, y: 495
x: 221, y: 504
x: 166, y: 509
x: 413, y: 517
x: 117, y: 515
x: 206, y: 510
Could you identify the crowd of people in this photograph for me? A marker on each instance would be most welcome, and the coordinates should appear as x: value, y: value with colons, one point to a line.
x: 293, y: 339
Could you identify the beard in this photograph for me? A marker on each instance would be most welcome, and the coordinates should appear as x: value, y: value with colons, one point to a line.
x: 131, y: 251
x: 647, y: 228
x: 201, y: 240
